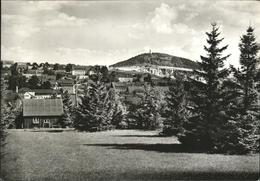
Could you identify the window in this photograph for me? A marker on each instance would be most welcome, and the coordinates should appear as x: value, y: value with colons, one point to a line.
x: 36, y: 120
x: 46, y: 121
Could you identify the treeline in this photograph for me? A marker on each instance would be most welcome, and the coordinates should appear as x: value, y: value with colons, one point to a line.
x: 216, y: 110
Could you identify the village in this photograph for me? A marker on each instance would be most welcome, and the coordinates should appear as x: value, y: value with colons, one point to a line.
x: 42, y: 107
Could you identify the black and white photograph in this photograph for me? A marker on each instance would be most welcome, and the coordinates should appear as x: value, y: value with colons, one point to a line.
x: 130, y: 90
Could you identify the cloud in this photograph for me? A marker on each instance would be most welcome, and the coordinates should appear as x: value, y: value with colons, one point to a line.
x: 19, y: 25
x: 163, y: 17
x: 63, y: 20
x: 25, y: 30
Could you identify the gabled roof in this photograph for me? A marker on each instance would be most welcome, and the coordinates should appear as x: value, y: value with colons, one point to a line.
x: 23, y: 90
x: 66, y: 82
x: 44, y: 91
x: 132, y: 89
x: 42, y: 107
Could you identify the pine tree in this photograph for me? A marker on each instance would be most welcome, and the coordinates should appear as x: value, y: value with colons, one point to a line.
x: 66, y: 119
x: 96, y: 110
x: 145, y: 115
x: 246, y: 77
x: 206, y: 96
x: 175, y: 113
x: 119, y: 111
x: 243, y: 112
x: 5, y: 111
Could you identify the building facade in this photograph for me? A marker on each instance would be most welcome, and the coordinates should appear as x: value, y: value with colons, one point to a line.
x: 43, y: 113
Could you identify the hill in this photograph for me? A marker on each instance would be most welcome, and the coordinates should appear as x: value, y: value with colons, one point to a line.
x: 159, y: 59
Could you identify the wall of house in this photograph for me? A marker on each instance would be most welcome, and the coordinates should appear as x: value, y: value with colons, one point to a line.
x: 78, y: 72
x: 125, y: 79
x: 40, y: 122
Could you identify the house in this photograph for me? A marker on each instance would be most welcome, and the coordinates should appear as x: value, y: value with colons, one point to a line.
x: 119, y: 87
x: 29, y: 73
x: 66, y: 82
x: 62, y: 72
x: 42, y: 113
x: 22, y: 65
x: 42, y: 94
x: 69, y: 89
x: 125, y: 79
x: 79, y: 71
x: 82, y: 77
x: 135, y: 89
x: 29, y: 95
x: 50, y: 78
x: 66, y: 85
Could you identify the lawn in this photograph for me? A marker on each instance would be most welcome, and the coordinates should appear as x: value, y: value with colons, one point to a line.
x: 115, y: 155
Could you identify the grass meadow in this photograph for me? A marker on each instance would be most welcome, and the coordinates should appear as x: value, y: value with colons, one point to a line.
x: 115, y: 155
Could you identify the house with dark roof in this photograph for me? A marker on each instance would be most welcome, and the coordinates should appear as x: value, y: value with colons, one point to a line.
x: 42, y: 113
x: 66, y: 85
x: 66, y: 82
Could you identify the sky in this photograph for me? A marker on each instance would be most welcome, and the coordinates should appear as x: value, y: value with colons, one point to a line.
x: 106, y: 32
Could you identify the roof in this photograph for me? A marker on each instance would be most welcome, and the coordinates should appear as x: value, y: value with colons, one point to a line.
x: 66, y: 82
x: 30, y: 71
x: 44, y: 91
x: 23, y: 90
x: 42, y: 107
x: 132, y: 89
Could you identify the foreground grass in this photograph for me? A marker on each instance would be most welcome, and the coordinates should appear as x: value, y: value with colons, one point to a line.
x: 115, y: 155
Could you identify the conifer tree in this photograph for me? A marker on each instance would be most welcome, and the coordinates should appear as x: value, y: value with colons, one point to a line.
x: 206, y: 96
x: 96, y: 109
x: 243, y: 112
x: 66, y: 119
x: 145, y: 115
x: 119, y: 111
x: 4, y: 117
x: 246, y: 76
x: 175, y: 113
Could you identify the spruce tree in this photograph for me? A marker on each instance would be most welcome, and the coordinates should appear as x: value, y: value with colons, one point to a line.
x: 176, y: 112
x: 206, y: 96
x: 118, y: 110
x: 243, y: 111
x: 5, y: 111
x: 66, y: 119
x: 246, y: 76
x: 145, y: 115
x: 96, y: 109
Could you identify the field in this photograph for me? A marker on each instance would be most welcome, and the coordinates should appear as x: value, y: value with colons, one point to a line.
x: 115, y: 155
